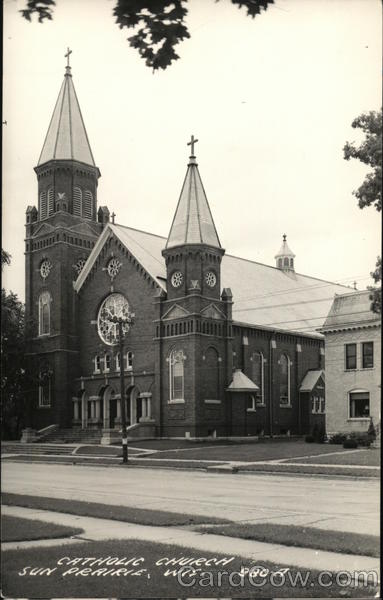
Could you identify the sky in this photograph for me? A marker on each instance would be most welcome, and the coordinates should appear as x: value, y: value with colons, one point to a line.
x: 271, y: 101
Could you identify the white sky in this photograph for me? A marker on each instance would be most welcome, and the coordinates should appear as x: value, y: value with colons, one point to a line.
x: 271, y: 101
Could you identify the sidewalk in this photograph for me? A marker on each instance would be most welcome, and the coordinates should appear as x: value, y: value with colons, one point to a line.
x: 104, y: 529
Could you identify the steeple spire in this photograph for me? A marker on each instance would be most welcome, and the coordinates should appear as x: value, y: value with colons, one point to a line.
x: 67, y: 138
x: 285, y: 257
x: 193, y: 222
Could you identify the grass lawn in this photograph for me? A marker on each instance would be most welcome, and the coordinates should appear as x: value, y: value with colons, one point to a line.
x: 148, y: 579
x: 15, y: 529
x: 181, y: 444
x: 304, y: 537
x: 314, y: 470
x: 142, y: 516
x: 265, y: 450
x: 103, y: 451
x: 366, y: 457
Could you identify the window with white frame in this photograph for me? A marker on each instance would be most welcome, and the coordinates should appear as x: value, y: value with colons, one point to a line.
x: 367, y: 355
x: 258, y: 375
x: 350, y: 357
x: 359, y: 404
x: 107, y: 362
x: 97, y: 364
x: 251, y: 403
x: 45, y: 313
x: 44, y: 389
x: 317, y: 404
x: 129, y: 360
x: 176, y: 376
x: 284, y: 380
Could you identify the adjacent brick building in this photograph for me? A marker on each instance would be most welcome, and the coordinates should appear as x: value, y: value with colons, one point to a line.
x: 200, y: 315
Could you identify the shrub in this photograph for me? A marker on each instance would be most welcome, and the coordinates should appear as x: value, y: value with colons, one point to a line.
x: 350, y: 443
x: 309, y: 439
x: 371, y: 433
x: 338, y: 438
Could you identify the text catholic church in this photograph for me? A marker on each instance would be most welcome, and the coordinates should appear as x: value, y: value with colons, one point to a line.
x: 218, y: 346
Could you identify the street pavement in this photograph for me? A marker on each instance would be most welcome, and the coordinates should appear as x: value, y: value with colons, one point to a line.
x: 338, y: 504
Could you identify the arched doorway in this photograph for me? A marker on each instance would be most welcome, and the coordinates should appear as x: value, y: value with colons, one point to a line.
x: 109, y: 408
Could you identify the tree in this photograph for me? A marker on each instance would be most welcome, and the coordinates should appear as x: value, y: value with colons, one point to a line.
x: 16, y: 385
x: 160, y: 24
x: 368, y: 152
x: 369, y: 193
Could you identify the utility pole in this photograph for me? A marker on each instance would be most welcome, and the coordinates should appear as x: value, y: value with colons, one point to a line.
x: 120, y: 321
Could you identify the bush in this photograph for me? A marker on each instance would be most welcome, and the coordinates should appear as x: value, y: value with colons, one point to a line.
x: 309, y: 439
x: 350, y: 443
x: 338, y: 438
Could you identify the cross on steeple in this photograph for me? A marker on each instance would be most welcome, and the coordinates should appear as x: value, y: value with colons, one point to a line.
x: 113, y: 217
x: 67, y: 55
x: 191, y: 143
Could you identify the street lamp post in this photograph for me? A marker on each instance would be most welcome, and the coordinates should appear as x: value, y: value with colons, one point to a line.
x: 120, y: 321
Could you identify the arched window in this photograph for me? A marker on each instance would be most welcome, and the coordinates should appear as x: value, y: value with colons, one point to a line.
x: 210, y: 377
x: 77, y: 201
x: 286, y: 262
x: 291, y: 262
x: 258, y: 375
x: 97, y: 364
x: 43, y: 209
x: 129, y: 360
x: 176, y: 376
x: 107, y: 363
x: 280, y: 263
x: 45, y: 313
x: 45, y: 389
x: 51, y: 201
x: 284, y: 380
x: 87, y: 209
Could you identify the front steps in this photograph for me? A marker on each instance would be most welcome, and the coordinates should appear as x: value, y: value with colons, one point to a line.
x: 37, y: 448
x: 73, y: 436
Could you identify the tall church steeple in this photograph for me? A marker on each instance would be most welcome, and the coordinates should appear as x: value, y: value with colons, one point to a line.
x: 66, y: 168
x: 193, y: 251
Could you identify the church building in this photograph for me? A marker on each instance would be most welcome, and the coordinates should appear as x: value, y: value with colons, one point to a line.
x: 214, y: 345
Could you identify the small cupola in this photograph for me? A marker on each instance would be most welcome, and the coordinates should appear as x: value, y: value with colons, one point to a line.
x: 285, y: 257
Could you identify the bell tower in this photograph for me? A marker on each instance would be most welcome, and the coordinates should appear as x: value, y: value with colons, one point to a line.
x: 285, y: 257
x: 60, y: 235
x: 194, y: 325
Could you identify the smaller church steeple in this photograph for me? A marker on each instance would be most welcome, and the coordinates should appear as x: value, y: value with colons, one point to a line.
x: 193, y: 222
x: 285, y: 257
x: 193, y: 251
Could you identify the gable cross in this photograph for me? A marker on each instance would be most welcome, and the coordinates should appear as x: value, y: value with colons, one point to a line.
x: 67, y: 55
x: 191, y: 143
x: 113, y: 217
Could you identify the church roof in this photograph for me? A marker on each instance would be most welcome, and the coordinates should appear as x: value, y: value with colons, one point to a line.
x: 349, y: 311
x: 264, y: 296
x: 284, y: 250
x: 66, y: 137
x: 193, y: 222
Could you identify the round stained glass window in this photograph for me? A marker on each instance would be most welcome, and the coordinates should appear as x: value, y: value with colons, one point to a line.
x: 45, y: 268
x: 115, y: 305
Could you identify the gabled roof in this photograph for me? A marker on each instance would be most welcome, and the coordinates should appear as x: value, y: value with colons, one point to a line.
x: 263, y: 296
x: 310, y: 380
x: 349, y: 311
x: 241, y: 383
x: 193, y: 222
x: 67, y: 138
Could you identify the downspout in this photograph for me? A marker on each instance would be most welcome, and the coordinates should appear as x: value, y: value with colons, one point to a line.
x: 271, y: 382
